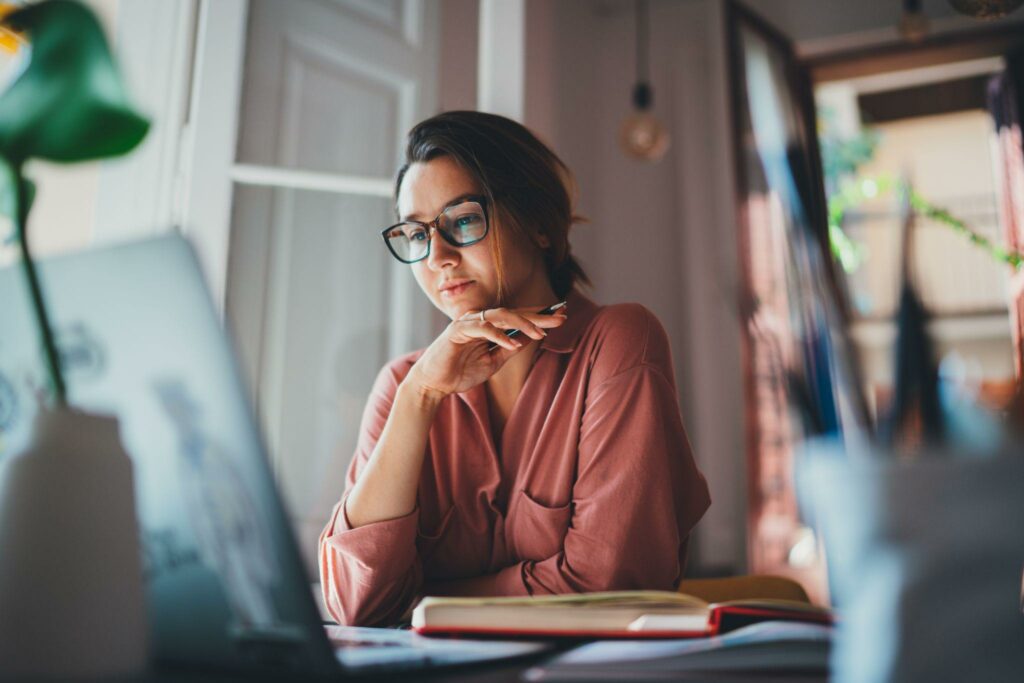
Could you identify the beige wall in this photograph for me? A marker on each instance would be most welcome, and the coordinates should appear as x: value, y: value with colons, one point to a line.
x: 948, y: 160
x: 662, y: 234
x: 946, y: 155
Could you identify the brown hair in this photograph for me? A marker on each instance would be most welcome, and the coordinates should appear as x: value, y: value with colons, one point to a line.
x: 527, y: 186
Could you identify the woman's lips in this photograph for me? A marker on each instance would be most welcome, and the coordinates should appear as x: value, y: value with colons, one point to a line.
x: 457, y: 289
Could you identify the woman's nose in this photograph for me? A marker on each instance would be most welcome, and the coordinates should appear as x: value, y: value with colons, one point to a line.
x: 441, y: 253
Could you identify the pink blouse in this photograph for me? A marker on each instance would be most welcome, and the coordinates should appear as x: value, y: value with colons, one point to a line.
x: 593, y: 486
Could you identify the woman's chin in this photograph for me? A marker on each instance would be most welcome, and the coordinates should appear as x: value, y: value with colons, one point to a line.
x: 457, y: 309
x: 455, y: 312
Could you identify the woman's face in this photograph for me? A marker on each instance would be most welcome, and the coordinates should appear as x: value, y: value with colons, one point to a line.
x: 462, y: 279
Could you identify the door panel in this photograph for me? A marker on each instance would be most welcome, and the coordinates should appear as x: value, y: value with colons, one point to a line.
x: 315, y: 300
x: 321, y: 131
x: 360, y: 84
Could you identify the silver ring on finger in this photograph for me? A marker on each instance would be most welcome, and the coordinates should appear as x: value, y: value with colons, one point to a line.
x: 482, y: 318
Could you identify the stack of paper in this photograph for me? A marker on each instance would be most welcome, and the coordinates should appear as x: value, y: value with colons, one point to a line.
x: 769, y: 647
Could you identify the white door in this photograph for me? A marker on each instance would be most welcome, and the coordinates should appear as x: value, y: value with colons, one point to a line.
x: 316, y: 303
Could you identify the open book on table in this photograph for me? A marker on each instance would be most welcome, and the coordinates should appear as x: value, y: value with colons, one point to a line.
x: 624, y: 614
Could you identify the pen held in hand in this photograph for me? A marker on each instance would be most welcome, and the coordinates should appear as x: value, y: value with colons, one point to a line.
x: 511, y: 334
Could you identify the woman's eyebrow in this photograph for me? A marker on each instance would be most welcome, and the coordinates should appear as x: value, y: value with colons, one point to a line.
x: 452, y: 202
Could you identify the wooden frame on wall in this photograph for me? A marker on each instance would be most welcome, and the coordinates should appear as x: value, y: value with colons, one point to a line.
x: 988, y: 40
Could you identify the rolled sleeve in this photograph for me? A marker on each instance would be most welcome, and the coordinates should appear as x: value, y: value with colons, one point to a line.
x: 371, y: 574
x: 377, y: 552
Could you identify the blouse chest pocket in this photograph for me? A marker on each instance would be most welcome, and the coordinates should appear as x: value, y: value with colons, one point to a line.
x: 537, y: 531
x: 430, y: 535
x: 448, y: 549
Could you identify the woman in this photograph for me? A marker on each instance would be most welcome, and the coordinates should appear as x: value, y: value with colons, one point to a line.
x: 550, y: 462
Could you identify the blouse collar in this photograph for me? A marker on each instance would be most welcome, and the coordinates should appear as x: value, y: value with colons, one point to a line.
x: 580, y: 311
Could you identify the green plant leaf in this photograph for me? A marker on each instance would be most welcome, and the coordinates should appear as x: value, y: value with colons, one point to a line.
x: 69, y: 104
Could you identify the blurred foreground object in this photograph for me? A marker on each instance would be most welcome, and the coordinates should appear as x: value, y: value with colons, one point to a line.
x: 916, y: 418
x: 10, y: 40
x: 73, y: 606
x: 923, y: 529
x: 924, y: 558
x: 68, y: 105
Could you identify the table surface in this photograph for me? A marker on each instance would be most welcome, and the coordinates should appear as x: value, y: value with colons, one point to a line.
x: 501, y: 672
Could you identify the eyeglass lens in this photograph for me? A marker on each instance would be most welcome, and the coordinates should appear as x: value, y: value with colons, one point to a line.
x: 460, y: 225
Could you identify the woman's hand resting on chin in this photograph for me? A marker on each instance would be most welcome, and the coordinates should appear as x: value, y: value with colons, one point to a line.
x: 462, y: 357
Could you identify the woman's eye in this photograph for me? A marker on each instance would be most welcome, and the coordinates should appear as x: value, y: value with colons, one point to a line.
x: 418, y: 236
x: 467, y: 221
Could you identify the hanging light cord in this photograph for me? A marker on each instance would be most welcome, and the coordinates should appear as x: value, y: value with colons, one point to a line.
x: 642, y: 95
x: 641, y: 41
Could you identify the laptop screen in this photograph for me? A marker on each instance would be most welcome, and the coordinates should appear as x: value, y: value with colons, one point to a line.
x: 139, y: 339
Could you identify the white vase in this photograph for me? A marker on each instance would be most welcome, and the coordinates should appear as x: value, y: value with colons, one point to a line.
x: 72, y: 601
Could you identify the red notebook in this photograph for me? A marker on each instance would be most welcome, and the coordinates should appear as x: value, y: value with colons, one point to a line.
x: 624, y: 614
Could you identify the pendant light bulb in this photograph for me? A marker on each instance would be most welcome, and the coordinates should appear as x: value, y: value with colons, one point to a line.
x: 641, y: 135
x: 913, y: 25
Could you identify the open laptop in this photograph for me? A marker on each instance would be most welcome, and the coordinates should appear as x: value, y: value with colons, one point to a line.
x: 226, y: 588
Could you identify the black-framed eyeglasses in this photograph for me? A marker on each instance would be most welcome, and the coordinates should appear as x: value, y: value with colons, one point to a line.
x: 460, y: 225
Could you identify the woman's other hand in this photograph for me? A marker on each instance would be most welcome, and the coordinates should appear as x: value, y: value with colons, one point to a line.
x: 464, y: 355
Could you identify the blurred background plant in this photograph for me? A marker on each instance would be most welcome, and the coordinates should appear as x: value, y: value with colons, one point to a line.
x: 847, y: 189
